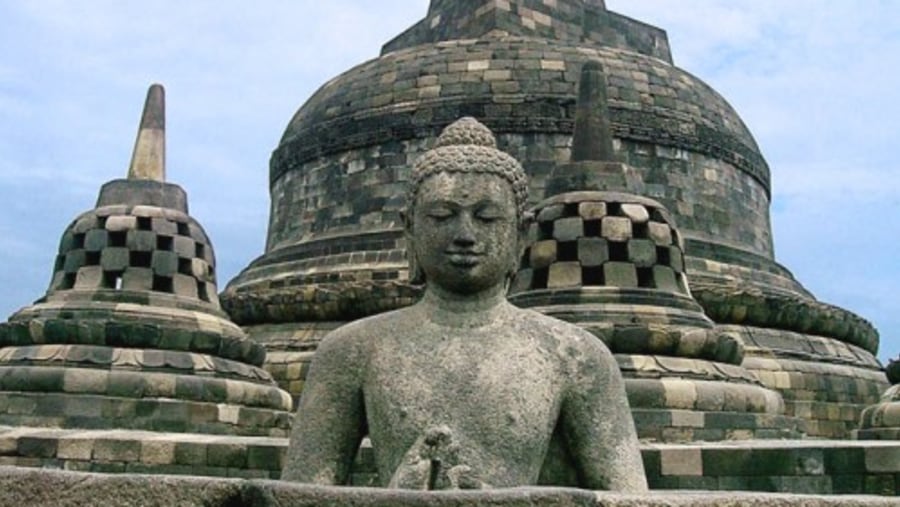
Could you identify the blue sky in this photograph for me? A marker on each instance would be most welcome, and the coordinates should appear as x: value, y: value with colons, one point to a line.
x: 817, y: 83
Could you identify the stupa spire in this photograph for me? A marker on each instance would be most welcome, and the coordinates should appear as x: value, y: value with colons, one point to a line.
x: 592, y: 139
x: 148, y: 161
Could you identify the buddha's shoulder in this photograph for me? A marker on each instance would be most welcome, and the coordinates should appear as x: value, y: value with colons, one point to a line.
x: 363, y: 331
x: 559, y: 332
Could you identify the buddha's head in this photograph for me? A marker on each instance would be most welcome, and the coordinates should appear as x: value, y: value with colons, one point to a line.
x: 465, y: 218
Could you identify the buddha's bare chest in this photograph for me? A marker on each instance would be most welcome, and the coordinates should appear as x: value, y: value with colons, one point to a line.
x: 468, y: 382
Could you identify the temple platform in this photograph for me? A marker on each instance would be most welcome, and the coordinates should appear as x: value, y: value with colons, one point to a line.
x: 22, y: 487
x: 839, y: 467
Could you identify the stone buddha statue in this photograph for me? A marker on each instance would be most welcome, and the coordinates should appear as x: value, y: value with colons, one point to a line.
x: 463, y: 389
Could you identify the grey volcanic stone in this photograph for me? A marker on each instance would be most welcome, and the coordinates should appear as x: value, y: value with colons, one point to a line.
x: 464, y: 390
x: 32, y: 488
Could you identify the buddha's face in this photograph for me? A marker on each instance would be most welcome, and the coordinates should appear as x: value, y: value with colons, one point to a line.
x: 464, y: 231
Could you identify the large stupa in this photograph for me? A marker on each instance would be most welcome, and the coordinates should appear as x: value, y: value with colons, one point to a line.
x: 335, y: 250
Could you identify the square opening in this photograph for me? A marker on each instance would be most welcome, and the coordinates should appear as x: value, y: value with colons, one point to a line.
x: 199, y: 250
x: 662, y: 256
x: 183, y: 229
x: 117, y: 238
x: 592, y: 228
x: 78, y: 241
x: 92, y: 258
x: 140, y: 259
x: 539, y: 278
x: 144, y: 224
x: 163, y: 284
x: 112, y: 280
x: 184, y: 266
x: 618, y: 251
x: 592, y: 276
x: 645, y: 278
x: 164, y: 243
x: 567, y: 251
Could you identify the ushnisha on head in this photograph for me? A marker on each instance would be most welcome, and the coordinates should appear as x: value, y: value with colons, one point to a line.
x: 465, y: 217
x: 467, y: 146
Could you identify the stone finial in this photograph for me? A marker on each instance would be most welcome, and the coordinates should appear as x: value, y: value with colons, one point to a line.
x: 592, y: 138
x: 148, y: 162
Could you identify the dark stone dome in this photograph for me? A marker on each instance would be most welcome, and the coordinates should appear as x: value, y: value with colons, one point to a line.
x: 335, y: 248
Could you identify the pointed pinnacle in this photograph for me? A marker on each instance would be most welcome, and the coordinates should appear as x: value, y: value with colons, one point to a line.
x: 148, y: 162
x: 592, y: 138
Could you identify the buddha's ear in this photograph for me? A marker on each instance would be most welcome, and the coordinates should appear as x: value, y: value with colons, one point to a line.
x: 524, y: 229
x: 416, y: 275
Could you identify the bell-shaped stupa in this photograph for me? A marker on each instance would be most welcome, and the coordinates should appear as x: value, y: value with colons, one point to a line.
x: 130, y: 334
x: 612, y: 261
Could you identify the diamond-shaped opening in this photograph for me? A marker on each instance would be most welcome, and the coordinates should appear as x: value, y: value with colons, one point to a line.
x: 91, y: 258
x: 163, y: 284
x: 112, y: 279
x: 592, y: 276
x: 140, y: 259
x: 164, y: 243
x: 662, y: 256
x: 184, y: 266
x: 640, y: 231
x: 539, y: 278
x: 618, y: 251
x: 567, y: 251
x: 117, y: 238
x: 645, y: 278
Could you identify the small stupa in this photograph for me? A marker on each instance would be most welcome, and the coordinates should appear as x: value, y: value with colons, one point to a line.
x: 612, y: 261
x: 130, y: 334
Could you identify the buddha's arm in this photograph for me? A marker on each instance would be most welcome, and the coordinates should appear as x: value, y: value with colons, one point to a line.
x: 598, y: 424
x: 330, y: 419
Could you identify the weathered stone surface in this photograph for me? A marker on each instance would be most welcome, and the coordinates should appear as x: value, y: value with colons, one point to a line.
x: 27, y: 488
x: 427, y: 386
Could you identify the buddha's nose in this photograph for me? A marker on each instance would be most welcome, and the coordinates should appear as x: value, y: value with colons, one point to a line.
x: 465, y: 232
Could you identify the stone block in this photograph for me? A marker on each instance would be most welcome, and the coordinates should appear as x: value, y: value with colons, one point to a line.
x: 121, y: 223
x: 883, y: 460
x: 676, y: 259
x: 117, y: 450
x: 616, y: 228
x: 542, y: 254
x: 564, y: 274
x: 637, y: 213
x: 137, y: 279
x: 140, y: 241
x: 96, y: 240
x: 80, y: 449
x: 35, y: 447
x: 664, y: 279
x: 184, y: 246
x: 74, y: 260
x: 89, y: 277
x: 685, y: 462
x: 183, y: 285
x: 592, y: 252
x: 660, y: 233
x: 620, y: 274
x: 642, y: 252
x: 551, y: 213
x: 163, y: 226
x: 164, y: 263
x: 200, y: 269
x: 226, y: 455
x: 592, y: 210
x: 568, y: 229
x: 83, y: 380
x: 114, y: 259
x: 266, y: 457
x: 190, y: 453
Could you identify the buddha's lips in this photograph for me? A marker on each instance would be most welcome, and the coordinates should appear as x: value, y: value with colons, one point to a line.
x: 464, y: 257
